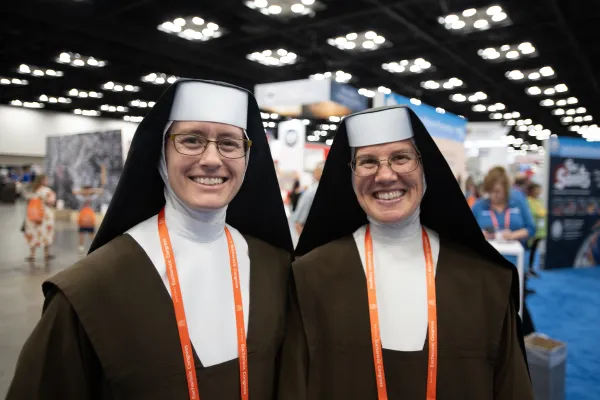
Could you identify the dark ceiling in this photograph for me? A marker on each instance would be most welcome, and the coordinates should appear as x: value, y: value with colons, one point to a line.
x: 124, y: 33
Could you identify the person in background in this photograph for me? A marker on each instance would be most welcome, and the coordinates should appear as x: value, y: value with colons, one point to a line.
x: 87, y: 216
x: 471, y: 192
x: 521, y: 182
x: 501, y: 216
x: 306, y: 199
x: 295, y: 194
x: 539, y: 213
x: 39, y: 224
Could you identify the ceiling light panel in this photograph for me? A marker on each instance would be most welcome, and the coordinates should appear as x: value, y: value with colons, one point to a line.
x: 471, y: 98
x: 447, y: 84
x: 475, y: 19
x: 192, y: 28
x: 366, y: 92
x: 120, y: 87
x: 113, y: 109
x: 133, y: 118
x: 273, y: 58
x: 54, y: 100
x: 547, y: 91
x: 158, y: 78
x: 531, y: 74
x: 359, y: 42
x: 285, y: 8
x: 338, y: 76
x: 142, y: 104
x: 38, y: 71
x: 78, y: 60
x: 87, y: 113
x: 508, y: 52
x: 416, y: 66
x: 26, y: 104
x: 83, y: 94
x: 5, y: 81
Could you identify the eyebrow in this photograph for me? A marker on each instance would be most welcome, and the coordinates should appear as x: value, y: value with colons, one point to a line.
x: 393, y: 153
x: 196, y: 131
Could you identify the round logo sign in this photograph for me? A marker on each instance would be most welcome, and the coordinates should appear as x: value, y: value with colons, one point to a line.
x: 291, y: 138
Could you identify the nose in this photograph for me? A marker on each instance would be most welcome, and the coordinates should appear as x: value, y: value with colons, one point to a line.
x: 385, y: 174
x: 211, y: 158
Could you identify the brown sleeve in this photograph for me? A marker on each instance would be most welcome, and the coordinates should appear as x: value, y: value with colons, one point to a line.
x: 293, y: 373
x: 511, y: 378
x: 57, y: 360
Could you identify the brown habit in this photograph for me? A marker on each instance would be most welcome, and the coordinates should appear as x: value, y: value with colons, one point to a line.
x: 328, y: 353
x: 108, y: 332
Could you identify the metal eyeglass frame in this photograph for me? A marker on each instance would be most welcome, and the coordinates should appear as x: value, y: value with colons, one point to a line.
x: 247, y: 142
x: 352, y: 165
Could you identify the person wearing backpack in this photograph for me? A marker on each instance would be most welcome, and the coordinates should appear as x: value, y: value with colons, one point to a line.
x: 87, y: 216
x: 39, y: 222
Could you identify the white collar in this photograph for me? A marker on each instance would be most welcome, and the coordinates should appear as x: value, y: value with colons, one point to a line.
x: 402, y: 233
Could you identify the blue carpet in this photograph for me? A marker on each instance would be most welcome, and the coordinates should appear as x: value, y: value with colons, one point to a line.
x: 566, y: 307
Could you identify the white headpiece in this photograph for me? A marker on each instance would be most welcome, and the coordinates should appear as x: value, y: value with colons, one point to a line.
x: 377, y: 126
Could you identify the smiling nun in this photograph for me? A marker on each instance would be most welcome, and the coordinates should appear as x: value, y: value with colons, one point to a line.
x: 183, y: 295
x: 397, y: 294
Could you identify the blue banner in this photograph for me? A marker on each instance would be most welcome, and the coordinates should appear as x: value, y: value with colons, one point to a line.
x: 573, y: 204
x: 348, y: 96
x: 446, y: 126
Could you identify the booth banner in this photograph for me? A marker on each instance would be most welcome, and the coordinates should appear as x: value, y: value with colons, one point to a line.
x: 86, y: 159
x: 292, y: 135
x: 573, y: 204
x: 448, y: 130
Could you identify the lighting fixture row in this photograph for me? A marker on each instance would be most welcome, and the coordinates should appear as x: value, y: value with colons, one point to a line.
x: 508, y: 52
x: 447, y: 84
x: 472, y: 98
x: 415, y: 66
x: 548, y: 91
x: 13, y: 81
x: 159, y: 78
x: 475, y: 19
x: 191, y: 28
x: 363, y: 41
x: 490, y: 108
x: 273, y: 58
x: 508, y: 116
x: 38, y: 71
x: 78, y: 60
x: 339, y: 76
x: 532, y: 74
x: 286, y: 10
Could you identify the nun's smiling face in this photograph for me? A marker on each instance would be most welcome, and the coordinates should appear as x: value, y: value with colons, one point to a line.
x: 209, y: 180
x: 391, y: 194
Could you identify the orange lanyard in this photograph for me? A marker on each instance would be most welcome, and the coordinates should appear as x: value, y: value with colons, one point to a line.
x: 374, y: 317
x: 495, y: 220
x: 184, y: 336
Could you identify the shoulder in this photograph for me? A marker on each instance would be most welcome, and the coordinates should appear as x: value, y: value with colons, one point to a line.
x: 98, y: 271
x: 466, y: 265
x: 259, y: 248
x: 325, y: 260
x: 480, y: 205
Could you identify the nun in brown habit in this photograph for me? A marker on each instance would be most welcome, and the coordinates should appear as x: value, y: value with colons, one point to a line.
x: 397, y: 294
x: 183, y: 295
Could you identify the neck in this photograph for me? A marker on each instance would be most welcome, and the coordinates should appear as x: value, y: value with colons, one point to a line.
x: 402, y: 232
x: 198, y: 226
x: 498, y: 206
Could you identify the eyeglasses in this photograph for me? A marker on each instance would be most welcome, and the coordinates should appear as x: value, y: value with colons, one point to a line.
x: 402, y: 163
x: 190, y: 144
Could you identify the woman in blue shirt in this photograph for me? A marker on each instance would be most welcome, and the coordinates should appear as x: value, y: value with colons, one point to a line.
x: 504, y: 214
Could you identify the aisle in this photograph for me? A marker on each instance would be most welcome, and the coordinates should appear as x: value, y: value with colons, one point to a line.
x: 566, y: 307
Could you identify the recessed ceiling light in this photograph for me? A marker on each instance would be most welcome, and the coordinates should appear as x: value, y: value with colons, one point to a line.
x: 5, y: 81
x: 120, y: 87
x: 507, y: 52
x: 192, y: 28
x: 78, y: 60
x: 338, y: 76
x: 415, y: 66
x: 273, y: 58
x: 473, y: 19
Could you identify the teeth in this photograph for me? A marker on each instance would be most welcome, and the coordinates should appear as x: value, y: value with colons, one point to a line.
x: 209, y: 181
x: 389, y: 195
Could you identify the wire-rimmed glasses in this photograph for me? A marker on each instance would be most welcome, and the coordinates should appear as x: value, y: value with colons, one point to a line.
x: 401, y: 163
x: 191, y: 144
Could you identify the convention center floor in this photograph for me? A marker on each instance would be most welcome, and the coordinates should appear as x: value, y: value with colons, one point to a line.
x: 566, y: 305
